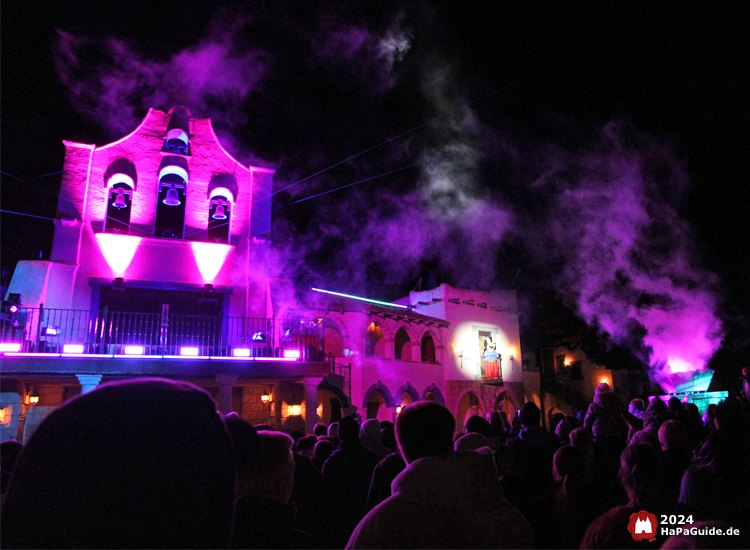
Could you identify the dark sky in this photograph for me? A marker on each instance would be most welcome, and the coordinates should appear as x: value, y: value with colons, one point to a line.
x: 518, y: 116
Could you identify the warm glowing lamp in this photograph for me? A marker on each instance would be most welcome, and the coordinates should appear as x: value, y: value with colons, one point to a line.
x: 33, y: 398
x: 265, y: 397
x: 398, y: 410
x: 295, y: 410
x: 603, y: 381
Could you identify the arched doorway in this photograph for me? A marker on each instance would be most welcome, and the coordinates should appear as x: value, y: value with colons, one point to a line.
x: 504, y: 402
x: 468, y: 406
x: 376, y: 406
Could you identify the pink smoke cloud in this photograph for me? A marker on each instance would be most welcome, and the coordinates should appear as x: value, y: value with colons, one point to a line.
x: 113, y: 83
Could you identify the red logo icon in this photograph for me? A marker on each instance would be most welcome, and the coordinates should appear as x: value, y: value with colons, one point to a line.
x: 642, y: 526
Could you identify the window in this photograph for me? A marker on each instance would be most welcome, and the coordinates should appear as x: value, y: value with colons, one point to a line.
x: 119, y: 203
x: 428, y: 349
x: 170, y: 206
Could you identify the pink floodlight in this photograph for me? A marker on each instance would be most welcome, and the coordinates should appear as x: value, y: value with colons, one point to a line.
x: 118, y: 250
x: 134, y: 350
x: 241, y: 352
x: 73, y: 348
x: 291, y: 354
x: 210, y: 257
x: 189, y: 351
x: 12, y: 347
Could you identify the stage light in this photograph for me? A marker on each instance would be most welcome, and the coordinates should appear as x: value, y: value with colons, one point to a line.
x: 189, y: 351
x: 134, y: 350
x: 73, y: 348
x: 242, y: 352
x: 9, y: 346
x: 291, y: 354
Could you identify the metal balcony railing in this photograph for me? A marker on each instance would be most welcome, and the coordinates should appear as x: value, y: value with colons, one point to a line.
x: 54, y: 331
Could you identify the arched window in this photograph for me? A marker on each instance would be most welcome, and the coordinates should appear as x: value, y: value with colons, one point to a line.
x: 403, y: 345
x: 219, y: 215
x: 428, y: 349
x: 374, y: 342
x: 119, y: 202
x: 177, y: 141
x: 170, y: 206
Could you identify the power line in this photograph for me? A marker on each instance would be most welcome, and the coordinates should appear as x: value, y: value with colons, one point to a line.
x: 460, y: 107
x: 29, y: 215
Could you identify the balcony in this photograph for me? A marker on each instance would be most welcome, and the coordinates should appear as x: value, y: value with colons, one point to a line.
x: 80, y: 333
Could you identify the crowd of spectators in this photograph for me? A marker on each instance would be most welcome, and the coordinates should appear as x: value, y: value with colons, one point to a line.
x: 151, y: 464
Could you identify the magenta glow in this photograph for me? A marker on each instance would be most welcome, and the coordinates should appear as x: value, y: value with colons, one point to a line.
x: 210, y: 258
x: 118, y: 250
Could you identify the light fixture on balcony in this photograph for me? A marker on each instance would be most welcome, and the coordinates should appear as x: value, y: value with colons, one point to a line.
x: 134, y: 350
x: 10, y: 347
x: 189, y: 351
x: 172, y: 199
x: 72, y: 348
x: 291, y: 354
x: 295, y: 410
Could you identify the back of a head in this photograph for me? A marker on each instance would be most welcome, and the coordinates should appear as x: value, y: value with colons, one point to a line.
x: 333, y: 429
x: 423, y: 429
x: 306, y: 444
x: 699, y: 487
x: 640, y: 468
x: 370, y: 430
x: 271, y: 476
x: 530, y: 414
x: 323, y: 450
x: 581, y: 438
x: 136, y: 464
x: 477, y: 424
x: 320, y: 429
x: 569, y: 461
x: 673, y: 436
x: 470, y: 442
x: 348, y: 429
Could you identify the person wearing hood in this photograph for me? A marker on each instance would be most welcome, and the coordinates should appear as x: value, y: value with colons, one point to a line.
x: 443, y: 499
x: 370, y: 436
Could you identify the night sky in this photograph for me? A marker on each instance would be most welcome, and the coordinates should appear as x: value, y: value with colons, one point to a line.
x: 593, y: 157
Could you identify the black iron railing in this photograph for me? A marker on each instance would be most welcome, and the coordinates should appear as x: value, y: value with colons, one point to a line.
x: 55, y: 331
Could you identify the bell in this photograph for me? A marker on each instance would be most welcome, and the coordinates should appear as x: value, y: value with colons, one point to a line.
x: 120, y: 200
x: 172, y: 199
x: 219, y: 214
